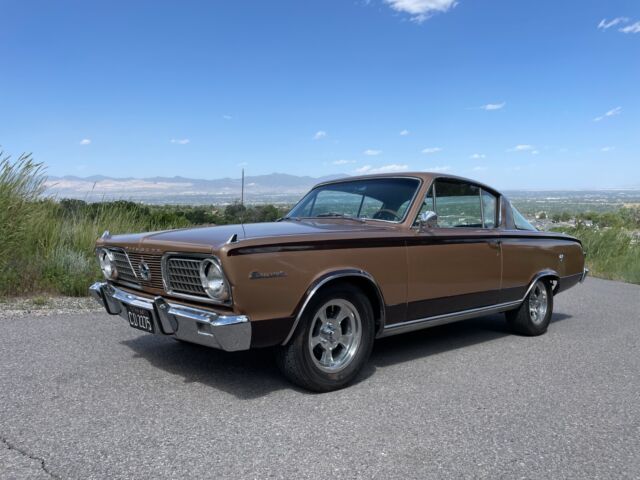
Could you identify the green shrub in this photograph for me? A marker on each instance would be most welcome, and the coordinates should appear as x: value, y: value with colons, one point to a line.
x: 611, y: 252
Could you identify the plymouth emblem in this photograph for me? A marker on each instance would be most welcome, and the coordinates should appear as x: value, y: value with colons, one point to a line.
x: 145, y: 271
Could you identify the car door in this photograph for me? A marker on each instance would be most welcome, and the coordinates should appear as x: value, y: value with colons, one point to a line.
x: 455, y: 265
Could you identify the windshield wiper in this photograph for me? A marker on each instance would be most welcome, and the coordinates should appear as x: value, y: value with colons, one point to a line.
x: 288, y: 219
x: 339, y: 215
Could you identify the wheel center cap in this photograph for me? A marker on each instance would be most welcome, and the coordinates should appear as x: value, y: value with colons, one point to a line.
x: 329, y: 332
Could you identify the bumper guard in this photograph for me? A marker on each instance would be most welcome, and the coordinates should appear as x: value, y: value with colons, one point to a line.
x: 196, y: 325
x: 585, y: 272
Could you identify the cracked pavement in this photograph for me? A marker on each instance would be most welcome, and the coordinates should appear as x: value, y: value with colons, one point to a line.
x: 18, y: 463
x: 85, y: 396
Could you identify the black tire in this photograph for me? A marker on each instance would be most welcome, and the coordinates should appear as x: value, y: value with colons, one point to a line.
x: 295, y: 359
x: 523, y: 321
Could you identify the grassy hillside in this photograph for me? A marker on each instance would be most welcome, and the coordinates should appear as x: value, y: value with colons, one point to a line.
x: 612, y: 243
x: 47, y: 245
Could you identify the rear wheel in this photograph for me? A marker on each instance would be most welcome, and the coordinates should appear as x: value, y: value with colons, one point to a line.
x: 332, y: 341
x: 534, y: 315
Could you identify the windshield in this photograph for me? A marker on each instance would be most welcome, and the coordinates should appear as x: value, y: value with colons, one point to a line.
x: 385, y: 199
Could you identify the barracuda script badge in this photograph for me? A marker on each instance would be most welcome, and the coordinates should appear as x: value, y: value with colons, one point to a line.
x: 262, y: 275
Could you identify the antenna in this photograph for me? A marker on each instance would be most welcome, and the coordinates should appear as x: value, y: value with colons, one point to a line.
x: 242, y: 190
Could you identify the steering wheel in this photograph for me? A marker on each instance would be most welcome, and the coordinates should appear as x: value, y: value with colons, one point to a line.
x: 386, y: 214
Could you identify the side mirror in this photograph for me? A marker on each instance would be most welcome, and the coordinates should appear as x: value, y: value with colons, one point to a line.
x: 428, y: 219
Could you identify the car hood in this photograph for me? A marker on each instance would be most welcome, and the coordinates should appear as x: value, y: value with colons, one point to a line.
x: 213, y: 237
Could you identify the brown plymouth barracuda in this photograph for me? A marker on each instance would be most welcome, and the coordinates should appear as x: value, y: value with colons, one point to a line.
x: 356, y: 259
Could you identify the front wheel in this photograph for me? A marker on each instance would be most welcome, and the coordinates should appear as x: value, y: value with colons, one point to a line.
x: 534, y: 315
x: 332, y: 341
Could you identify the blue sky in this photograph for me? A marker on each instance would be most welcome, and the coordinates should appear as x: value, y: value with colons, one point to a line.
x: 520, y: 94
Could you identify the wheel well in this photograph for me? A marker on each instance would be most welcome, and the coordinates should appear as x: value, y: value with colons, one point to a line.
x: 368, y: 288
x: 372, y: 293
x: 552, y: 280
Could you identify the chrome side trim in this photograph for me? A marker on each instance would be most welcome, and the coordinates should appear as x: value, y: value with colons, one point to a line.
x: 436, y: 320
x: 443, y: 319
x: 330, y: 277
x: 196, y: 325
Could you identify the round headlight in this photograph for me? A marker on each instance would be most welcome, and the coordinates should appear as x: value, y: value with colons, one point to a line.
x: 107, y: 264
x: 213, y: 280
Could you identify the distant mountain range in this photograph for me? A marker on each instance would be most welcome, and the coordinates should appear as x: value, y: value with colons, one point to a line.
x: 276, y: 188
x: 272, y: 188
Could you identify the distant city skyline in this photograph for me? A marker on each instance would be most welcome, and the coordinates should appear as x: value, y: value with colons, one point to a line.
x: 521, y: 95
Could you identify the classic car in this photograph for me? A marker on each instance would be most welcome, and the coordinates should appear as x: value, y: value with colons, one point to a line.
x: 356, y: 259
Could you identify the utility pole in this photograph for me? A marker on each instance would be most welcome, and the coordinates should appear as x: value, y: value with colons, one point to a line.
x: 242, y: 190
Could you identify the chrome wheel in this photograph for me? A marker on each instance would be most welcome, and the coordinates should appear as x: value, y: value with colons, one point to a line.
x: 538, y: 303
x: 335, y: 335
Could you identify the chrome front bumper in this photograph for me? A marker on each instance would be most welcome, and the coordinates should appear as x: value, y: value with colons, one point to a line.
x: 196, y: 325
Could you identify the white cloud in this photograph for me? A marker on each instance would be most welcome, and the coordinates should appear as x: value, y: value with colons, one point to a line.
x: 607, y: 149
x: 479, y: 168
x: 320, y: 134
x: 611, y: 113
x: 535, y: 152
x: 633, y: 28
x: 521, y: 148
x: 227, y: 117
x: 421, y: 10
x: 343, y: 162
x: 404, y: 133
x: 180, y: 141
x: 438, y: 168
x: 605, y: 24
x: 394, y: 167
x: 371, y: 152
x: 85, y: 141
x: 477, y: 156
x: 493, y: 106
x: 243, y: 164
x: 430, y: 150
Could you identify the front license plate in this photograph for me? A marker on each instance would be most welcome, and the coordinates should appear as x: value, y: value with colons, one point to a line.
x: 140, y: 318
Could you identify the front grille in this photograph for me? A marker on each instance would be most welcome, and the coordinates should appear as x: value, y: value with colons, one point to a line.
x: 124, y: 267
x: 155, y: 268
x: 128, y: 266
x: 183, y: 276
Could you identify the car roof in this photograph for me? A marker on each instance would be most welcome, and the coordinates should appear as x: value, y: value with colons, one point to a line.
x: 426, y: 177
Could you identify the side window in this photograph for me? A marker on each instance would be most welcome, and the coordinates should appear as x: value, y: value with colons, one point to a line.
x: 489, y: 209
x: 427, y: 206
x: 458, y: 204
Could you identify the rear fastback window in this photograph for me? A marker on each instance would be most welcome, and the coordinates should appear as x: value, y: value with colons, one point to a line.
x: 521, y: 222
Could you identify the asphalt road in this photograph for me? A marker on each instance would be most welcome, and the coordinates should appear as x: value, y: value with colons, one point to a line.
x: 86, y: 396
